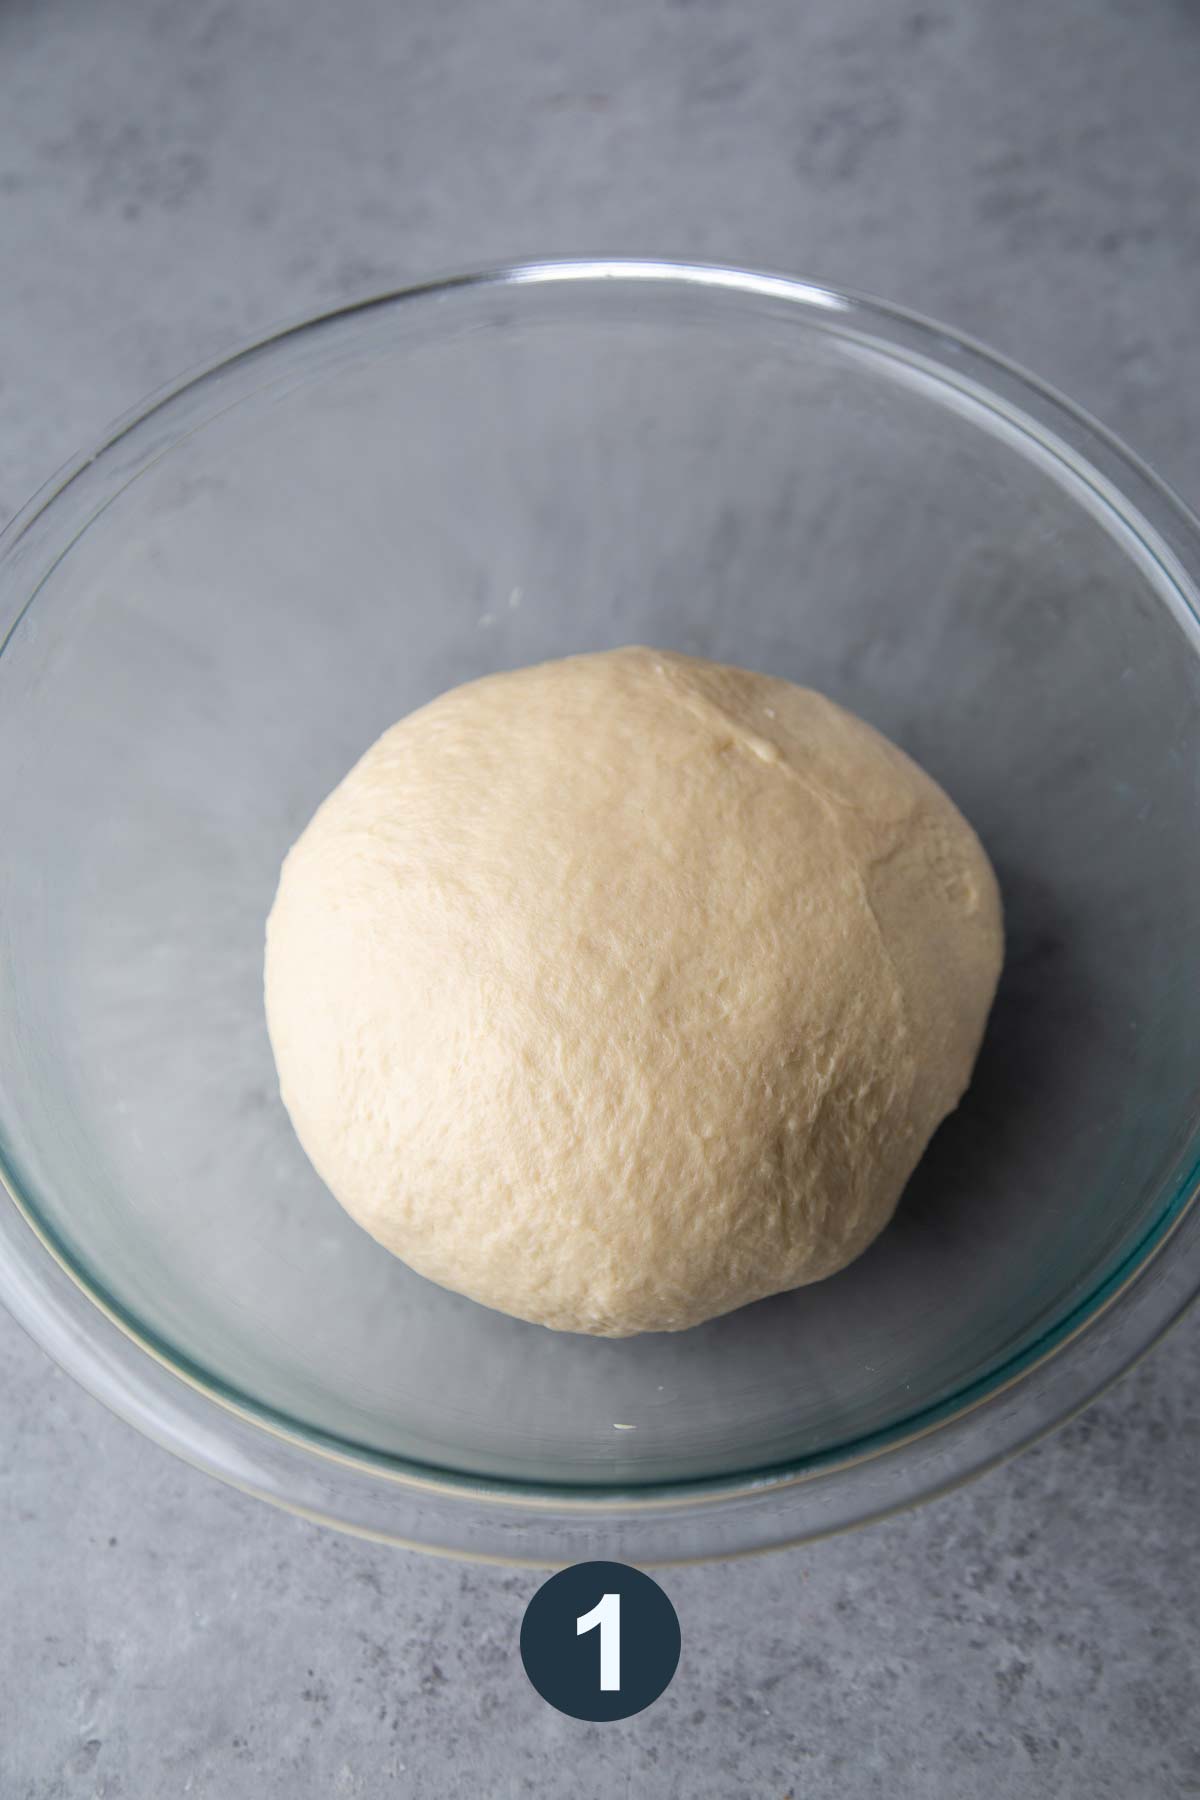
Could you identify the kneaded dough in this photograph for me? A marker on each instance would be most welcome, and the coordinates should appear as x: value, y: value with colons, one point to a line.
x: 620, y: 991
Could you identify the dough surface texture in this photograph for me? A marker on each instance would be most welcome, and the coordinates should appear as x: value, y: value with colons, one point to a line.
x: 619, y: 991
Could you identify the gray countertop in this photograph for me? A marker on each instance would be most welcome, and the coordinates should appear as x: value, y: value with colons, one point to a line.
x: 174, y: 178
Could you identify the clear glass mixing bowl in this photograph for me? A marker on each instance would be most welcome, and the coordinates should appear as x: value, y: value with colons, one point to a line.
x: 208, y: 620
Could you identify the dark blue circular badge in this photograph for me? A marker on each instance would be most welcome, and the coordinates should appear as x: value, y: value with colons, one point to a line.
x: 600, y: 1641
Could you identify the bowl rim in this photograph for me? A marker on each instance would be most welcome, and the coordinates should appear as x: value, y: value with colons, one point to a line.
x: 65, y: 1308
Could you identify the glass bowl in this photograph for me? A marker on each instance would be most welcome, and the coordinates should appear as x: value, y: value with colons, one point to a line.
x: 212, y: 616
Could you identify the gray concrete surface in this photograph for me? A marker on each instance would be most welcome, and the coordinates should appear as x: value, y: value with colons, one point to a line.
x: 173, y: 178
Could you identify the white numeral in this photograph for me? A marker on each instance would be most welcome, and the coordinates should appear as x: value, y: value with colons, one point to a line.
x: 607, y: 1615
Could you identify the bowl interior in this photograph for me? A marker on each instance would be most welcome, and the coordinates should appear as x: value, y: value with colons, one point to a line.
x: 327, y: 533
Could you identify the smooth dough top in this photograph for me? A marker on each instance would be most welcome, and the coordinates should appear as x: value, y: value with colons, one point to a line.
x: 619, y: 991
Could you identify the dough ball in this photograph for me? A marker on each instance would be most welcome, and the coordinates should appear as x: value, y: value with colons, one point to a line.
x: 620, y: 991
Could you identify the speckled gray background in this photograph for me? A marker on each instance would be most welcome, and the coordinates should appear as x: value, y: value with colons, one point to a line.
x: 175, y: 177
